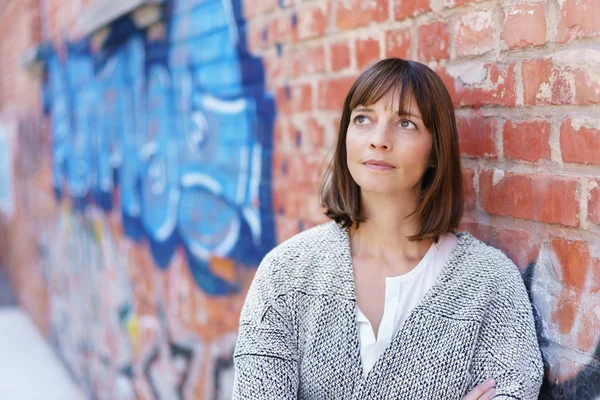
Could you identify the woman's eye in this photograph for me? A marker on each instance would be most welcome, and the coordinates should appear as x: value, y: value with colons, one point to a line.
x: 406, y: 124
x: 360, y: 120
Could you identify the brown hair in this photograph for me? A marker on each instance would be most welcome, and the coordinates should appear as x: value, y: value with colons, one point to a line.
x: 441, y: 204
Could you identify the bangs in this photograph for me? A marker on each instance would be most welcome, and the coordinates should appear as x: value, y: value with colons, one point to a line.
x: 400, y: 81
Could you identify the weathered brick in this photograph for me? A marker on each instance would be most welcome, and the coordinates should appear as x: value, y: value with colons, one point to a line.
x: 309, y: 133
x: 311, y: 21
x: 340, y: 55
x: 526, y: 140
x: 398, y: 43
x: 575, y: 261
x: 476, y: 135
x: 546, y: 198
x: 567, y: 78
x: 580, y: 143
x: 518, y: 245
x: 434, y: 39
x: 578, y: 19
x: 469, y: 189
x: 524, y: 25
x: 367, y: 52
x: 294, y: 98
x: 474, y: 34
x: 352, y: 14
x: 594, y: 203
x: 410, y: 8
x: 332, y: 92
x: 313, y: 60
x: 477, y: 85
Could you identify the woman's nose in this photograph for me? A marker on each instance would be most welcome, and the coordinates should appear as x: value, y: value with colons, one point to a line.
x: 380, y: 138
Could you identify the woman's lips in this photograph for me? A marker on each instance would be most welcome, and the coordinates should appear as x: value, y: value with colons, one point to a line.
x: 378, y: 165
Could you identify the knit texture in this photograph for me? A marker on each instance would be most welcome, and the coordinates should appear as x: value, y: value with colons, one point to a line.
x: 298, y: 336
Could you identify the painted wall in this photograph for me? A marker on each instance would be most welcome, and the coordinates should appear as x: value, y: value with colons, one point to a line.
x: 153, y: 166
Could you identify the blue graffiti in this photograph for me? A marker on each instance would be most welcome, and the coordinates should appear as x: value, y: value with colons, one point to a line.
x: 180, y: 127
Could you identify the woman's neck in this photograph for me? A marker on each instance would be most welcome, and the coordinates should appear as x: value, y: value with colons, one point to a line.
x: 384, y: 234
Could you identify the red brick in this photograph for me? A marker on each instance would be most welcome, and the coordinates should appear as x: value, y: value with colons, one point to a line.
x: 367, y: 52
x: 279, y: 197
x: 313, y: 60
x: 308, y: 133
x: 578, y: 19
x: 315, y: 167
x: 332, y: 92
x: 295, y: 98
x: 281, y: 136
x: 352, y: 14
x: 297, y: 171
x: 477, y: 86
x: 304, y: 61
x: 258, y: 35
x: 340, y: 55
x: 594, y: 204
x: 311, y: 21
x: 469, y: 189
x: 536, y: 75
x: 434, y: 41
x: 546, y: 198
x: 564, y: 316
x: 281, y: 29
x: 518, y: 245
x: 525, y: 25
x: 476, y: 136
x: 410, y: 8
x: 560, y: 81
x: 294, y: 62
x: 574, y: 258
x: 526, y: 140
x: 474, y: 34
x: 397, y: 43
x: 578, y: 143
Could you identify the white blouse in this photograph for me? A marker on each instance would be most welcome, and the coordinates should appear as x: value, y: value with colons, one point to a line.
x: 402, y: 294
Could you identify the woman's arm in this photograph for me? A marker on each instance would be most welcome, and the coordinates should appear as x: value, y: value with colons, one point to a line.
x: 507, y: 348
x: 265, y: 357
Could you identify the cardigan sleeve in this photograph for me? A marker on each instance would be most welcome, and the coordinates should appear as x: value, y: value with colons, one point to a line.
x: 265, y: 355
x: 507, y: 349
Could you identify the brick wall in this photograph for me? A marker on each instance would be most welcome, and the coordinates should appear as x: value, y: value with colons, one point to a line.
x: 524, y: 79
x: 20, y: 32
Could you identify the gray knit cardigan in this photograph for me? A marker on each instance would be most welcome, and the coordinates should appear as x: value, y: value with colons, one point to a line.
x: 298, y: 337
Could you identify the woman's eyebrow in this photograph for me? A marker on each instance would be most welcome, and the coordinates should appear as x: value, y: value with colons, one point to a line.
x: 407, y: 114
x: 363, y: 109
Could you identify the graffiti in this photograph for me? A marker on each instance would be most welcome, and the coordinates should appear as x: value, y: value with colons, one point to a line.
x: 177, y: 127
x: 569, y: 374
x: 91, y: 305
x: 161, y: 144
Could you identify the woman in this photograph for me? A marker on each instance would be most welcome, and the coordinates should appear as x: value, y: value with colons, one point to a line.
x: 386, y: 301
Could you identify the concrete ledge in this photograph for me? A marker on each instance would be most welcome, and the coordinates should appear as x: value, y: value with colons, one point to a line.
x: 29, y: 369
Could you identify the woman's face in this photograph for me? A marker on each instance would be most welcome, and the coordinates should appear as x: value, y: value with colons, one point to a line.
x: 387, y: 151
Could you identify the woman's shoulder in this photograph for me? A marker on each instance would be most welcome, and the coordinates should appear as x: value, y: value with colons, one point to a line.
x: 486, y: 261
x: 478, y: 273
x: 308, y: 243
x: 312, y: 260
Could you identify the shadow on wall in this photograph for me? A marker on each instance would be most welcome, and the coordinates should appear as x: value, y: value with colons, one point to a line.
x: 176, y: 129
